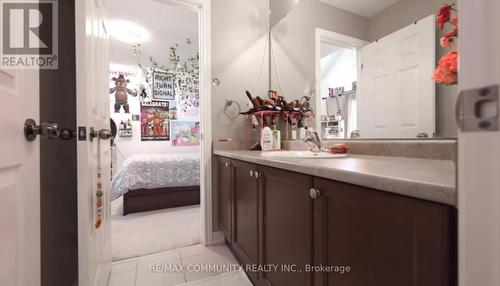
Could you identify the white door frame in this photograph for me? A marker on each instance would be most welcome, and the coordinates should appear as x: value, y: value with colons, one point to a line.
x: 478, y: 152
x: 205, y: 25
x: 337, y: 39
x: 204, y: 9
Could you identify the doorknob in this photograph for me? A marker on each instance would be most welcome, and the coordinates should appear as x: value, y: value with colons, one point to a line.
x: 48, y: 130
x: 103, y: 134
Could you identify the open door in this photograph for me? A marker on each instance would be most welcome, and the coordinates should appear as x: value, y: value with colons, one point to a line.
x: 19, y: 180
x: 479, y: 143
x: 94, y: 169
x: 396, y: 99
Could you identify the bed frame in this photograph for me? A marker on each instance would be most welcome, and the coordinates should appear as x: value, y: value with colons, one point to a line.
x: 147, y: 200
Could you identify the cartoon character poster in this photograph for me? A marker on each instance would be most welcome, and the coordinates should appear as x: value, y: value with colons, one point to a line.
x: 155, y: 121
x: 123, y: 88
x: 185, y: 133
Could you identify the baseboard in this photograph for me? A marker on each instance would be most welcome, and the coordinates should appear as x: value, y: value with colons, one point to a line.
x: 217, y: 237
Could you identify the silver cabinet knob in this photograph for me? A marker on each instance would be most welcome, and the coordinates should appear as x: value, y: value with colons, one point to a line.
x: 251, y: 173
x: 256, y: 175
x: 227, y: 165
x: 314, y: 193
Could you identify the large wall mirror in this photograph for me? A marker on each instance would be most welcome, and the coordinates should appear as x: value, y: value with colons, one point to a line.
x: 366, y: 64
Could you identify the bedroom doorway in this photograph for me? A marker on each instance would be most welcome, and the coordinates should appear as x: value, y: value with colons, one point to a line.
x: 155, y: 111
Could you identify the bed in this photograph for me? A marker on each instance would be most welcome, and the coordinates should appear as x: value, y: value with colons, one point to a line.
x: 152, y: 182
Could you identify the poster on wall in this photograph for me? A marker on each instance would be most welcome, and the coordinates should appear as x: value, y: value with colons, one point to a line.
x: 155, y: 121
x: 163, y: 86
x: 185, y: 133
x: 123, y: 88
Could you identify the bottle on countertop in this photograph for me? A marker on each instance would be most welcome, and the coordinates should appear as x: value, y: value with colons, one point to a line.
x: 266, y: 140
x: 276, y: 138
x: 302, y: 132
x: 294, y: 132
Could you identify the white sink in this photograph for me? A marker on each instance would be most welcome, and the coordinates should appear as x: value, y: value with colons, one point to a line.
x: 302, y: 155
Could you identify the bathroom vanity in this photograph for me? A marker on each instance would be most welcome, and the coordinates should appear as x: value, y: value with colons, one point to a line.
x: 388, y: 221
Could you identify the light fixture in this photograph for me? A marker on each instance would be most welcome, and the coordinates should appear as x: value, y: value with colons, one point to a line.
x: 128, y: 32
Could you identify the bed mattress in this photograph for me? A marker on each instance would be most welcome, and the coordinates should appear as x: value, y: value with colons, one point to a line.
x: 156, y: 171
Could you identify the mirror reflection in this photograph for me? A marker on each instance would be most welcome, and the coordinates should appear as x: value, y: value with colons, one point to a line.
x: 367, y: 64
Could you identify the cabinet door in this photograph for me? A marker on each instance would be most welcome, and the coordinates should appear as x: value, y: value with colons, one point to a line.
x: 287, y: 228
x: 246, y: 215
x: 225, y: 187
x: 385, y: 239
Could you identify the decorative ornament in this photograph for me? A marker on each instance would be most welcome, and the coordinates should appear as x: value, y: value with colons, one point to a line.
x: 99, y: 194
x: 447, y: 70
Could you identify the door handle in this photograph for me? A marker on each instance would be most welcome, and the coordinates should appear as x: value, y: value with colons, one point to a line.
x: 48, y: 130
x: 314, y: 193
x: 103, y: 134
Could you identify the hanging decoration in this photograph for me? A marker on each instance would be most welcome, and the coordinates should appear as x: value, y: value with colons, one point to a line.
x: 185, y: 79
x: 447, y: 70
x: 99, y: 194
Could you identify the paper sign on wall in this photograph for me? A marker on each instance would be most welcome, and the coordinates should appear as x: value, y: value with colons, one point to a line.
x: 163, y: 86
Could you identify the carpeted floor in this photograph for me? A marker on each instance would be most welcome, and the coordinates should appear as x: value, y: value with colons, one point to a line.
x: 151, y: 232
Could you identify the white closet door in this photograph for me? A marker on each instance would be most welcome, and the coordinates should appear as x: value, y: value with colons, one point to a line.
x: 396, y: 94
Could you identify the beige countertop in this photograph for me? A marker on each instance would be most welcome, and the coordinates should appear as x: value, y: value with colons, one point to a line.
x: 432, y: 180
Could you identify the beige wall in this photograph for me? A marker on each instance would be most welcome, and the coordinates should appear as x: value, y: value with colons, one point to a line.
x: 280, y: 8
x: 294, y: 44
x: 402, y: 14
x: 239, y: 56
x: 239, y: 49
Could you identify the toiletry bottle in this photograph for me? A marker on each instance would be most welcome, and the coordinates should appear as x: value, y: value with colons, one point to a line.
x: 276, y: 138
x: 267, y: 139
x: 302, y: 132
x: 294, y: 132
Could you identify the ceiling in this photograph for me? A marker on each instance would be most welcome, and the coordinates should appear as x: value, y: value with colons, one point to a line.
x: 366, y: 8
x: 166, y: 25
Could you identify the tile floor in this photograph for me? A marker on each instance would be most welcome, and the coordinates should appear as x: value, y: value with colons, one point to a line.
x: 149, y: 270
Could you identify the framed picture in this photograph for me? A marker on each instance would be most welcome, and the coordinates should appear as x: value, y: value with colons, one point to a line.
x: 155, y: 121
x: 163, y: 86
x: 185, y: 133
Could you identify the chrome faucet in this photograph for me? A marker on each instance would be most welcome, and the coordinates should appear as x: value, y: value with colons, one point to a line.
x: 355, y: 134
x: 313, y: 137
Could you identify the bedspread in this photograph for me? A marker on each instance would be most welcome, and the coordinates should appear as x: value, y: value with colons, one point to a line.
x: 156, y: 171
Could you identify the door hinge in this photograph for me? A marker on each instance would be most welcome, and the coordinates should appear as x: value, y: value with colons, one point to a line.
x: 476, y: 109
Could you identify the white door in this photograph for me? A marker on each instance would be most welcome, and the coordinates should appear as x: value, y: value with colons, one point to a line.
x: 479, y: 152
x: 94, y: 244
x: 19, y: 180
x: 396, y: 97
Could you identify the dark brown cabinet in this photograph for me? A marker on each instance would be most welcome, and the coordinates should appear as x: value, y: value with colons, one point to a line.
x: 246, y: 218
x: 303, y: 224
x: 286, y: 227
x: 225, y: 199
x: 385, y: 239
